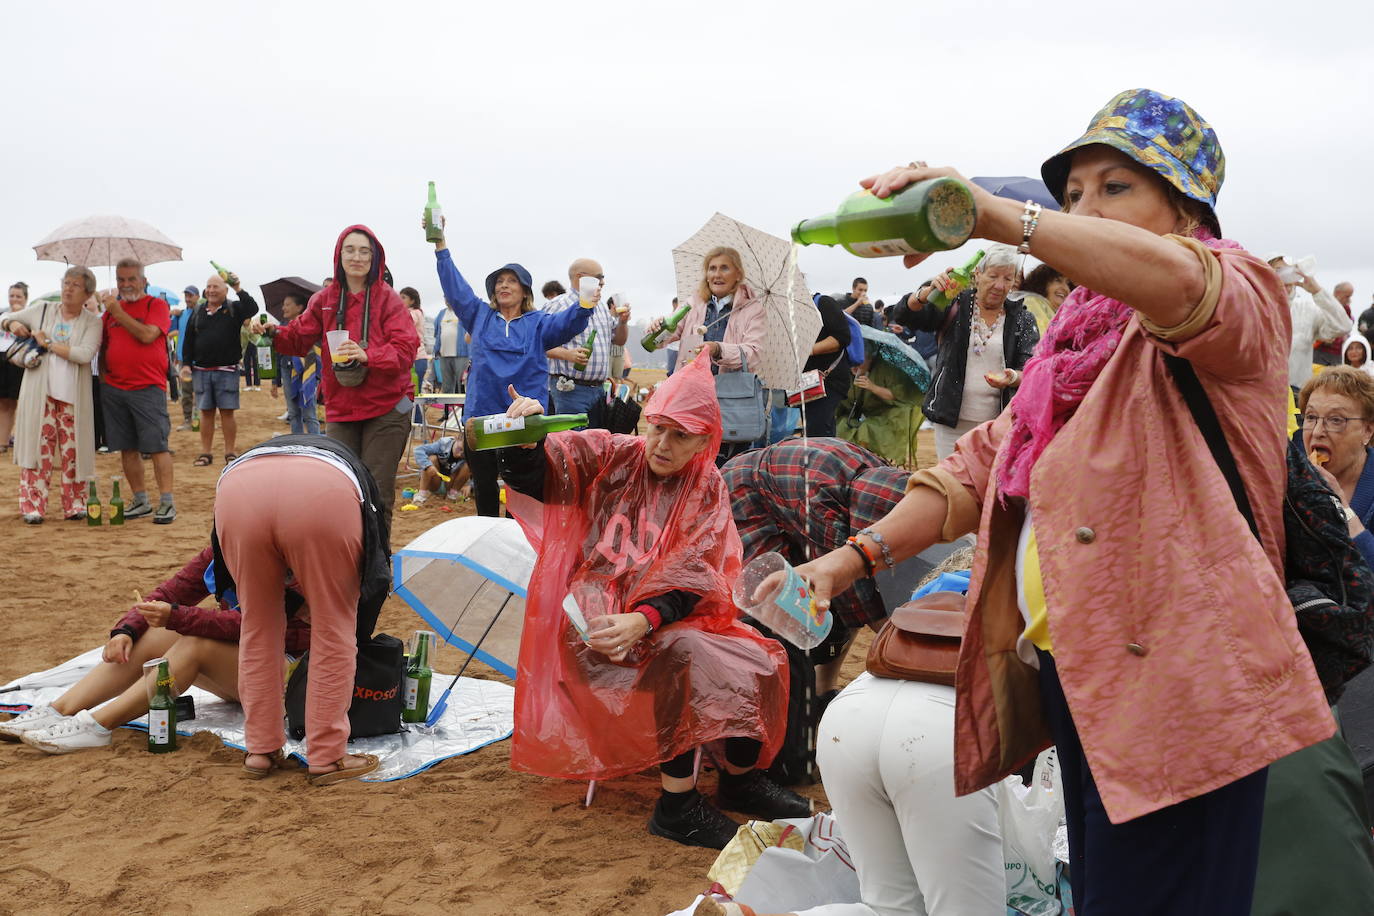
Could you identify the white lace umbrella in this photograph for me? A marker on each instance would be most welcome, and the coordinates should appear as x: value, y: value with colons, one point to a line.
x: 771, y: 272
x: 101, y: 240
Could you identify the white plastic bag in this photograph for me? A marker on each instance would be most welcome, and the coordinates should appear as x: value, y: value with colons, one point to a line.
x: 1030, y: 818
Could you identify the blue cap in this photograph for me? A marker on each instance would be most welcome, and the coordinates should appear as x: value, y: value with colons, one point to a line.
x: 191, y: 290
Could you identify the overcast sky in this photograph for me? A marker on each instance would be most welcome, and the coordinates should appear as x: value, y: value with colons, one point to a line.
x: 253, y: 132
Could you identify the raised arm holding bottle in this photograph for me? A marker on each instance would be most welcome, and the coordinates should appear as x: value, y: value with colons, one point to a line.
x: 210, y: 361
x: 1071, y: 511
x: 510, y: 340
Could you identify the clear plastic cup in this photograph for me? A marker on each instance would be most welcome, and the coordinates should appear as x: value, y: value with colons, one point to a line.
x: 774, y: 594
x: 586, y: 290
x: 150, y: 676
x: 336, y: 339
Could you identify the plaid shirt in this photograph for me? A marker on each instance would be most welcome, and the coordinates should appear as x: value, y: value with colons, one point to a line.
x: 603, y: 322
x: 840, y: 490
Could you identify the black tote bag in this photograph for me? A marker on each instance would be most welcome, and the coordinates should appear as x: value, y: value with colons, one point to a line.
x: 376, y: 705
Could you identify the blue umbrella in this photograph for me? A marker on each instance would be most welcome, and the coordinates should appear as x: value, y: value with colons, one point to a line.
x: 893, y: 351
x: 1019, y: 189
x: 165, y: 294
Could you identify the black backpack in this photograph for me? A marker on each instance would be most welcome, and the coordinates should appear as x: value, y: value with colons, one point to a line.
x: 1329, y: 583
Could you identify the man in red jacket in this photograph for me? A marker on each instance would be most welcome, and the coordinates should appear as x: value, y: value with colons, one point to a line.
x: 133, y: 387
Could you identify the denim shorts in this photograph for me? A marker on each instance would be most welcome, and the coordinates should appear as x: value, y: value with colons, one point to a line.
x: 216, y: 389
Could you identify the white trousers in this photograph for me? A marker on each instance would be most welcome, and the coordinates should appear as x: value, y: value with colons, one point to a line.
x: 946, y: 436
x: 886, y: 754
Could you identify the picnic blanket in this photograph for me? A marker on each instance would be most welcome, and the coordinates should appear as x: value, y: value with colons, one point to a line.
x: 479, y: 713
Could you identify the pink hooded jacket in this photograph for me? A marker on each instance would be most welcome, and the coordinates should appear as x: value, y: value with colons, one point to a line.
x: 743, y: 334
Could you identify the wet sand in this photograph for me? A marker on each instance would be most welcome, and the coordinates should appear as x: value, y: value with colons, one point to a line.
x: 120, y: 830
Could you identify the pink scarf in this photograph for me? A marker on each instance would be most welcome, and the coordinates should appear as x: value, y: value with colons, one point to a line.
x: 1081, y: 338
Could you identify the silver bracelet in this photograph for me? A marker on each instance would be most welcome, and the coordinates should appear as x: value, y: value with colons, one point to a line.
x: 878, y: 539
x: 1030, y: 219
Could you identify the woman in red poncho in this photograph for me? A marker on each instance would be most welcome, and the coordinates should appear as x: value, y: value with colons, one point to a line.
x: 637, y: 532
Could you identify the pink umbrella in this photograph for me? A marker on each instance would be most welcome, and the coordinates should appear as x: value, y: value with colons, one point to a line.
x: 101, y: 240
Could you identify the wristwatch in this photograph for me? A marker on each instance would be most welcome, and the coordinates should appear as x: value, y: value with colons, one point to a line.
x: 1350, y: 515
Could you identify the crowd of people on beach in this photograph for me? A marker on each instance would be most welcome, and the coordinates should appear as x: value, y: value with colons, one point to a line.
x: 1118, y: 431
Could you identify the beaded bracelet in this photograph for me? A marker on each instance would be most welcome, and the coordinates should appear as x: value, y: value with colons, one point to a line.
x: 882, y: 545
x: 1030, y: 219
x: 870, y: 565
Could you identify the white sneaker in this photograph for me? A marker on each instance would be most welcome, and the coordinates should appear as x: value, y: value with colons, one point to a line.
x: 34, y: 718
x: 75, y: 733
x: 420, y: 497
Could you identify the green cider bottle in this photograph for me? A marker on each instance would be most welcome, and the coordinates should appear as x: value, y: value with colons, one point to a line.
x: 961, y: 275
x: 162, y: 713
x: 591, y: 339
x: 223, y: 272
x: 501, y: 431
x: 933, y: 215
x: 650, y: 341
x: 434, y: 218
x: 116, y: 504
x: 267, y: 357
x: 93, y: 510
x: 195, y: 421
x: 415, y: 685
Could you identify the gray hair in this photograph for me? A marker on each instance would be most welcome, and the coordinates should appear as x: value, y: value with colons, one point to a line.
x: 998, y: 256
x: 86, y: 274
x: 135, y: 263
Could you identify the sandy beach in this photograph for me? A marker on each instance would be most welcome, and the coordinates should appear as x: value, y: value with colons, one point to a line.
x: 121, y: 830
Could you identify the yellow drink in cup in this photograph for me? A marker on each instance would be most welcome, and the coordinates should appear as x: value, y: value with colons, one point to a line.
x: 336, y: 339
x: 586, y: 289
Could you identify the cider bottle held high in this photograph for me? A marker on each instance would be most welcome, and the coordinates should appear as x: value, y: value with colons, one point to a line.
x: 650, y: 341
x: 434, y: 218
x: 223, y: 272
x: 963, y: 276
x: 933, y: 215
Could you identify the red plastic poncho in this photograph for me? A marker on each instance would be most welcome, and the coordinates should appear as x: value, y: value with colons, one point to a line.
x: 609, y: 525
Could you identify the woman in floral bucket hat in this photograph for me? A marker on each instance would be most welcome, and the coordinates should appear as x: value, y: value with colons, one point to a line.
x: 1120, y: 606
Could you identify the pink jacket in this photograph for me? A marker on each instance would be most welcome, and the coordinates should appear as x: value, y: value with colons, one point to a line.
x: 743, y: 334
x: 1175, y: 641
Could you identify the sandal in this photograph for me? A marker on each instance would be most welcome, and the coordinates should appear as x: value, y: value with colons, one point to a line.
x: 230, y: 456
x: 204, y: 460
x: 341, y: 772
x: 275, y: 760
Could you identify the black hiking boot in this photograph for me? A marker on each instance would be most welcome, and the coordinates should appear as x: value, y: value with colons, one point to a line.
x: 700, y: 824
x: 755, y: 794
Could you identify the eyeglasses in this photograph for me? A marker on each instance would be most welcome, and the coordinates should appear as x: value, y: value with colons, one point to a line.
x: 1335, y: 424
x: 350, y: 251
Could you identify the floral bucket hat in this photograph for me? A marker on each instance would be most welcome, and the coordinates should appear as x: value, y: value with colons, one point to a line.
x: 1161, y: 133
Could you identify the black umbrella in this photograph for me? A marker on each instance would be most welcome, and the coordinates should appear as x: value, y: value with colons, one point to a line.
x: 273, y: 293
x: 1017, y: 188
x: 618, y: 416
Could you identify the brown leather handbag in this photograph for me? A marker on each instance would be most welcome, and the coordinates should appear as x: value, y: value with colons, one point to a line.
x: 920, y: 641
